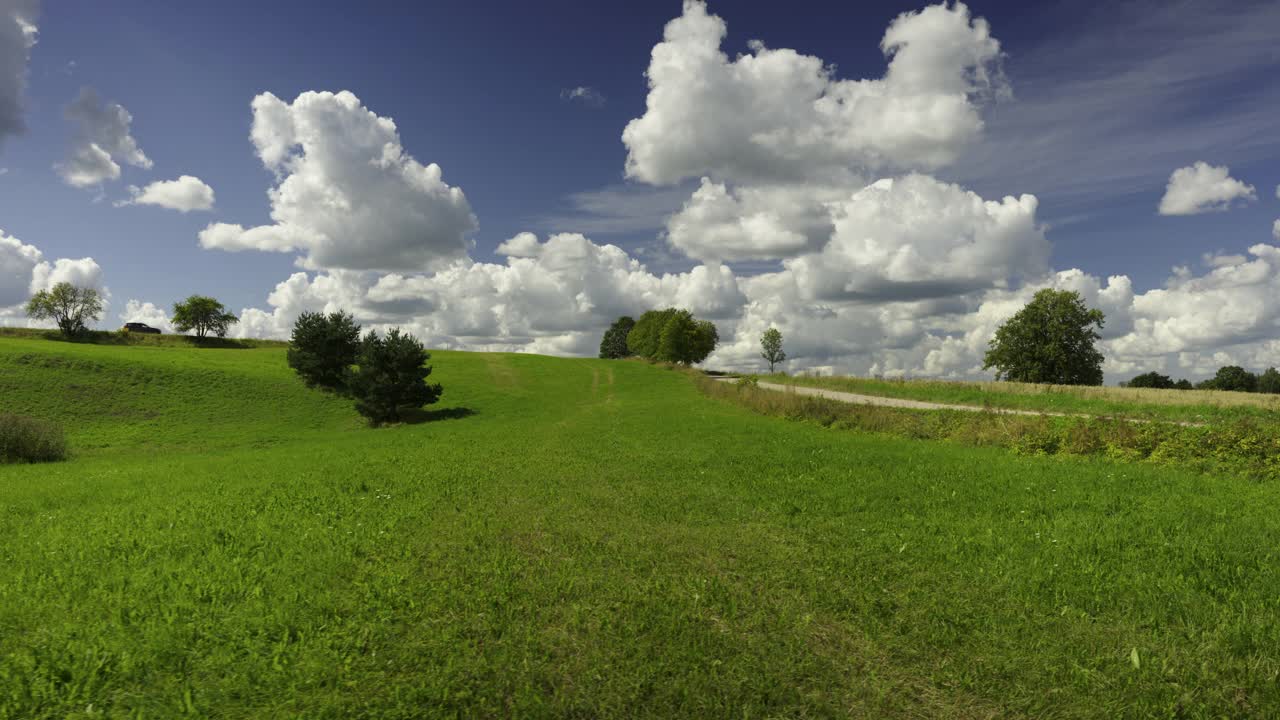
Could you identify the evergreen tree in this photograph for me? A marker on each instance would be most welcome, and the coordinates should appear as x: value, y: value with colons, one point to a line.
x: 390, y: 377
x: 323, y: 348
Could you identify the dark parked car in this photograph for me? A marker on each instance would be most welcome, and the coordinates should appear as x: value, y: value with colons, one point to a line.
x: 140, y: 328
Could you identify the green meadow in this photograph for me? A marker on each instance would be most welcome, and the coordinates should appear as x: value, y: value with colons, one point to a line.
x: 594, y: 539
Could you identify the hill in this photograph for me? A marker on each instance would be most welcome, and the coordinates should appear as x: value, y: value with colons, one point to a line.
x: 571, y: 537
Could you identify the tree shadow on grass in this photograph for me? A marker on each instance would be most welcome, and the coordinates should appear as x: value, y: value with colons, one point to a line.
x: 416, y: 416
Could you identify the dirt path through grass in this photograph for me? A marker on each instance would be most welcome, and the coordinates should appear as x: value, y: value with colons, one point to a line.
x: 921, y: 405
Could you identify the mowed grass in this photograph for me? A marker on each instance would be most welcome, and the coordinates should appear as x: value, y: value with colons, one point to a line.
x: 1145, y: 403
x: 594, y: 539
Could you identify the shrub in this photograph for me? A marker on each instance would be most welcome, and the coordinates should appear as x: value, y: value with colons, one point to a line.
x: 323, y: 348
x: 390, y: 377
x: 24, y: 439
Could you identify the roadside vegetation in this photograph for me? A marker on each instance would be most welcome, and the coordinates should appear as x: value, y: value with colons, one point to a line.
x: 1143, y: 403
x: 1235, y: 445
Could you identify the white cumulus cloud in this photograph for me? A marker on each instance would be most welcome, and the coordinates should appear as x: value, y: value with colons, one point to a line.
x: 554, y: 296
x: 102, y: 141
x: 1202, y: 188
x: 348, y: 194
x: 185, y: 194
x: 17, y: 263
x: 779, y: 115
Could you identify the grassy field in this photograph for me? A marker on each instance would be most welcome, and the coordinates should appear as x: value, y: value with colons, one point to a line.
x: 585, y: 538
x: 1146, y: 403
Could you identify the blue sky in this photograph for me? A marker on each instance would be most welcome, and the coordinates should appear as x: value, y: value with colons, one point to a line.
x: 1107, y: 100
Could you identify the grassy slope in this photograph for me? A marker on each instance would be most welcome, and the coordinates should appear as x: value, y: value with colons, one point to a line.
x: 597, y: 539
x: 1183, y: 405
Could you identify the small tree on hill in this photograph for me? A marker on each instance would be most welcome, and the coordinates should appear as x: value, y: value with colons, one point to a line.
x: 1269, y: 381
x: 390, y: 377
x: 203, y: 314
x: 1152, y: 380
x: 1183, y: 384
x: 323, y: 348
x: 71, y: 307
x: 771, y: 344
x: 1051, y: 340
x: 614, y: 344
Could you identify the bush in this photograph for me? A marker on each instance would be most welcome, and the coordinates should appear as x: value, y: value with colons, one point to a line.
x: 24, y: 439
x: 391, y: 377
x: 323, y: 348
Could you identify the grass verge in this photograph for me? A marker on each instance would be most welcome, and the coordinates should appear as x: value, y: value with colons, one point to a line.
x: 1243, y: 445
x: 1208, y: 406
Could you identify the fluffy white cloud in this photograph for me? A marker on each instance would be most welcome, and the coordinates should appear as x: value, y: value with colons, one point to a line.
x: 1203, y: 188
x: 779, y: 115
x: 349, y: 196
x: 24, y: 271
x: 1275, y: 230
x: 102, y: 142
x: 17, y: 263
x: 720, y: 222
x: 185, y: 194
x: 555, y: 296
x: 82, y: 272
x: 915, y: 238
x: 147, y: 313
x: 17, y: 36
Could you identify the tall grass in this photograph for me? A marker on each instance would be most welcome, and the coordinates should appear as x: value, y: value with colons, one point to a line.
x: 1244, y: 445
x: 24, y: 439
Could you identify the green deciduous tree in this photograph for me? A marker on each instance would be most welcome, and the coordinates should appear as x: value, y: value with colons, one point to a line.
x: 1051, y: 340
x: 390, y: 377
x: 71, y: 307
x: 614, y: 344
x: 323, y: 348
x: 1233, y: 378
x: 203, y: 314
x: 643, y: 338
x: 1152, y: 380
x: 1269, y: 381
x: 771, y: 345
x: 673, y: 335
